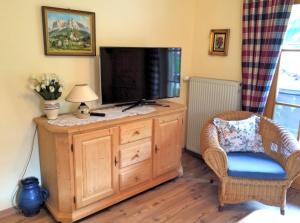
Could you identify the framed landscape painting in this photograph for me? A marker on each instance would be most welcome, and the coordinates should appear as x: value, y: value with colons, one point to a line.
x: 218, y: 44
x: 68, y: 32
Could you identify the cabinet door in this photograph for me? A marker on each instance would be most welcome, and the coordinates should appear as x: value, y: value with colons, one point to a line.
x: 167, y: 144
x: 95, y: 164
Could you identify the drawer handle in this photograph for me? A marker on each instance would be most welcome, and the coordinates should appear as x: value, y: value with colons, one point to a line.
x: 136, y: 179
x: 135, y: 156
x: 137, y: 132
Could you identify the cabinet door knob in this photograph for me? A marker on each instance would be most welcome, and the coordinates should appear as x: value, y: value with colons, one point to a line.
x: 156, y: 148
x: 116, y: 161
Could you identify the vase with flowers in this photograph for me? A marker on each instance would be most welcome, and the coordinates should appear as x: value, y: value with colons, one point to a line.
x: 49, y: 87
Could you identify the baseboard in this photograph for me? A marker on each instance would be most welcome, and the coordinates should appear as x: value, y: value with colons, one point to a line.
x: 6, y: 212
x: 197, y: 155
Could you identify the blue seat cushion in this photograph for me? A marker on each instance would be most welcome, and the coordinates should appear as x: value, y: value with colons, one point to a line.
x: 254, y: 166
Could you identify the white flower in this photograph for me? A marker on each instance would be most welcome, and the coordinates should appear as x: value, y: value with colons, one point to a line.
x: 48, y: 83
x: 52, y: 89
x: 53, y: 77
x: 46, y: 77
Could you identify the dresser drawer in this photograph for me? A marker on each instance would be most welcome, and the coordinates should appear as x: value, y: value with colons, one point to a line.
x: 135, y: 152
x: 135, y: 174
x: 135, y: 131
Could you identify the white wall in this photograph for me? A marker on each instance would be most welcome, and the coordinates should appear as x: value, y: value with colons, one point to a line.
x: 217, y: 14
x: 118, y: 23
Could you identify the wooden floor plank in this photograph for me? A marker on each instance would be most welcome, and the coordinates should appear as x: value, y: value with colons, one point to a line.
x: 189, y: 199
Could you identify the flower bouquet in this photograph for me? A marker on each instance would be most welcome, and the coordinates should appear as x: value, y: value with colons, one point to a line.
x: 50, y: 89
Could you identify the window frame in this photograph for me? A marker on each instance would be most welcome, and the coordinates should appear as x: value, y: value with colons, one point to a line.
x: 271, y: 101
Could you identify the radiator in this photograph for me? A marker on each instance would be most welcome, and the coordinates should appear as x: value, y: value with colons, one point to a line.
x: 208, y: 97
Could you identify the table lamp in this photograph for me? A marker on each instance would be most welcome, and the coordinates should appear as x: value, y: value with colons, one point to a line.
x: 82, y: 93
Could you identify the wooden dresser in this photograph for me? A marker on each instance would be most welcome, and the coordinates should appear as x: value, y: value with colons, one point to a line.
x: 87, y: 168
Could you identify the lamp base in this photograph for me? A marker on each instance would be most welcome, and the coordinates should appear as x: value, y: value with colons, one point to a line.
x: 82, y: 116
x: 83, y: 111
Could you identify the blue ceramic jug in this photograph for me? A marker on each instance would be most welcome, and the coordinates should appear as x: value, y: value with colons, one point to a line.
x: 31, y: 196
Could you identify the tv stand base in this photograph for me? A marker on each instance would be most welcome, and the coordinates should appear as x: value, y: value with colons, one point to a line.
x: 140, y: 103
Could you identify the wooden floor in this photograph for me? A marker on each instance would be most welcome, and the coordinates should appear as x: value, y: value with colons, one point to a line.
x: 189, y: 199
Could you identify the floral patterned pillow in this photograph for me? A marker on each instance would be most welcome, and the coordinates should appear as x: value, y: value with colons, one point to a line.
x: 240, y: 135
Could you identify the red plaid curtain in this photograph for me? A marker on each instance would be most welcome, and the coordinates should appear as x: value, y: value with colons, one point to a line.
x: 264, y: 25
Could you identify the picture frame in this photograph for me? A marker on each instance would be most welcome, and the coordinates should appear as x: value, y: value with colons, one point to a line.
x: 68, y: 32
x: 219, y: 41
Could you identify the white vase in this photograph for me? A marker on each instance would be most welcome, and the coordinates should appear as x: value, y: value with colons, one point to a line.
x: 51, y: 108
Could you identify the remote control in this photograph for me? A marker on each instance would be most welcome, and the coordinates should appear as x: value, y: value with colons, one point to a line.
x: 97, y: 114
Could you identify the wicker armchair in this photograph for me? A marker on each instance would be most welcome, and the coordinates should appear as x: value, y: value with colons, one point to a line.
x: 277, y: 143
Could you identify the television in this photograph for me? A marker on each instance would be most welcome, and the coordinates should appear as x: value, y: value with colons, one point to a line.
x: 133, y: 74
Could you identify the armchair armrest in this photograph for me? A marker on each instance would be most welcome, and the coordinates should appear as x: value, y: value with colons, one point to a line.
x: 212, y: 153
x: 273, y: 133
x: 283, y: 144
x: 216, y: 159
x: 293, y: 165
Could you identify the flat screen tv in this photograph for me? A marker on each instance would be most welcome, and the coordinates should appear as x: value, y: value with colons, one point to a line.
x: 131, y: 74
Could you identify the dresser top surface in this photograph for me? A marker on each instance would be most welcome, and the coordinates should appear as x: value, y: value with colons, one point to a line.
x: 173, y: 108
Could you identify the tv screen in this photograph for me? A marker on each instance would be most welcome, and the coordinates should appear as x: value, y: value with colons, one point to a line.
x: 131, y: 74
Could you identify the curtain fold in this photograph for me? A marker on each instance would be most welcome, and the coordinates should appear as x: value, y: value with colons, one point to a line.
x: 264, y: 26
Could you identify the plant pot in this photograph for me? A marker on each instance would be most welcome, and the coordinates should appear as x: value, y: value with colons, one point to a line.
x: 51, y: 108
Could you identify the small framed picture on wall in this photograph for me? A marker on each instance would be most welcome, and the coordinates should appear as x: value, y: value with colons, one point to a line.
x: 219, y: 40
x: 68, y: 32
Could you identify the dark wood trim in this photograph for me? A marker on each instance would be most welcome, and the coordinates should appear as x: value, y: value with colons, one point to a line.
x: 287, y: 104
x: 290, y: 50
x: 270, y: 105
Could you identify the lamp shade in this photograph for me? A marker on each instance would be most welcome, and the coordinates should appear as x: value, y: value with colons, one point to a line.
x: 81, y: 93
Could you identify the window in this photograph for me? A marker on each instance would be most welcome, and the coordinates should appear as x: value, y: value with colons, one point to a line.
x: 174, y: 55
x: 286, y: 87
